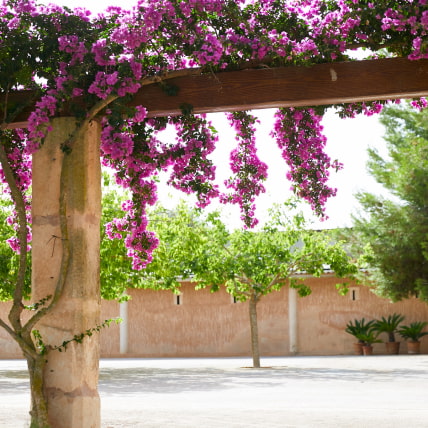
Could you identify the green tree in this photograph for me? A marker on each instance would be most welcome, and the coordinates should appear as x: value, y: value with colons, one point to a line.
x: 392, y: 232
x: 116, y: 273
x: 9, y: 260
x: 170, y: 261
x: 250, y: 264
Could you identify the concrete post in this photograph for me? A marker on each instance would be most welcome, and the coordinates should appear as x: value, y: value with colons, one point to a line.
x: 71, y: 377
x: 292, y: 320
x: 123, y: 328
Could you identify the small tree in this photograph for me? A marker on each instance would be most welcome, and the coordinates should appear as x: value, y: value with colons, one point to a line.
x: 250, y: 264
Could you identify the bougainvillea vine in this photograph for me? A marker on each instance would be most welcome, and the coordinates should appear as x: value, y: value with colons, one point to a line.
x: 92, y: 65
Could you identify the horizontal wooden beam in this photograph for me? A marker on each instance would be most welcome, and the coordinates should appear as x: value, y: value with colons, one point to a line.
x: 320, y: 84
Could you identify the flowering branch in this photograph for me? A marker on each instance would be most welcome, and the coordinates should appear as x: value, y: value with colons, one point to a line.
x: 95, y: 64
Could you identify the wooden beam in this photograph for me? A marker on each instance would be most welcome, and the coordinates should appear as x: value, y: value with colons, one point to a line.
x: 320, y: 84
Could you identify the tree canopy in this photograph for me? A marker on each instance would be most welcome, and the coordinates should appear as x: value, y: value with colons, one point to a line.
x: 392, y: 231
x: 249, y: 264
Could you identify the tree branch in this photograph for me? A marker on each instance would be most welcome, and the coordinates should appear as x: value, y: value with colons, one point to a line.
x: 66, y: 251
x: 26, y: 346
x: 19, y: 203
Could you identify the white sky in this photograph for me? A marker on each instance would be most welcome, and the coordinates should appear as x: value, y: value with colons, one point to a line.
x: 348, y: 141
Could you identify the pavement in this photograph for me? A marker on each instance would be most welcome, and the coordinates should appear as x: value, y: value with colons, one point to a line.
x: 337, y: 392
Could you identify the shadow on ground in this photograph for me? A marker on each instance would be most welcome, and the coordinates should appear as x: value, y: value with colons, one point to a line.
x: 158, y: 380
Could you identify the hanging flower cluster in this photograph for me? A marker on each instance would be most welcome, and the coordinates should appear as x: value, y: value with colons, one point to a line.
x: 14, y: 143
x: 298, y: 133
x: 138, y: 156
x: 249, y: 172
x: 91, y: 66
x: 193, y: 171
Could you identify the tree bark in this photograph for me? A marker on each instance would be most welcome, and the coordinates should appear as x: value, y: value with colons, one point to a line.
x: 252, y: 306
x: 39, y: 408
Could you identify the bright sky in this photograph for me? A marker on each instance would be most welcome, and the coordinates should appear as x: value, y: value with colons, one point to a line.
x: 348, y: 141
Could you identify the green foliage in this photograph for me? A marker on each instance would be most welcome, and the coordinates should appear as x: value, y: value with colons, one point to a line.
x: 185, y: 236
x: 389, y: 325
x: 391, y: 235
x: 41, y: 303
x: 43, y: 348
x: 360, y: 329
x: 40, y: 344
x: 116, y: 274
x: 413, y: 331
x: 249, y: 263
x: 9, y: 260
x: 369, y: 338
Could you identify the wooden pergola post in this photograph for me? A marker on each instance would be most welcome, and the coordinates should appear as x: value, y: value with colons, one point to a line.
x: 71, y: 376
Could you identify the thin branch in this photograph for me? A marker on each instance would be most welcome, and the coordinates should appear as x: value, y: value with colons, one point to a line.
x: 24, y: 345
x: 276, y: 280
x: 6, y: 99
x: 171, y: 75
x: 102, y: 104
x: 66, y: 251
x: 8, y: 329
x: 238, y: 291
x: 19, y: 203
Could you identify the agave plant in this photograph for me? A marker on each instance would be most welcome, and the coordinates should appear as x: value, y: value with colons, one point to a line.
x: 413, y: 331
x: 389, y: 325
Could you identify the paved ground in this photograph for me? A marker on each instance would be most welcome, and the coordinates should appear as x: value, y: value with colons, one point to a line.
x: 339, y: 392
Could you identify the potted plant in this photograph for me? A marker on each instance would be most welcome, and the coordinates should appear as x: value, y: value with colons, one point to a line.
x: 368, y: 339
x: 412, y: 333
x: 359, y: 328
x: 390, y: 327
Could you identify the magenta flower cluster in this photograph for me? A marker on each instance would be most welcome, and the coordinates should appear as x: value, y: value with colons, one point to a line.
x: 298, y: 133
x: 93, y: 65
x: 14, y: 143
x: 248, y: 170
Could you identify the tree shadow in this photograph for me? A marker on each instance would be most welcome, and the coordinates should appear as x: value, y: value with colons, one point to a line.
x: 161, y: 380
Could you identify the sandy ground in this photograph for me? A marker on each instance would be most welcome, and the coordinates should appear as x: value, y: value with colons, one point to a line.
x: 339, y: 392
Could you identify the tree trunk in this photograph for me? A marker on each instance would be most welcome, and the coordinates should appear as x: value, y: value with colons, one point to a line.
x: 39, y: 408
x: 252, y: 305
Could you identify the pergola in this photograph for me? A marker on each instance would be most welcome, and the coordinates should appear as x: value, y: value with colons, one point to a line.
x: 72, y: 376
x: 250, y: 89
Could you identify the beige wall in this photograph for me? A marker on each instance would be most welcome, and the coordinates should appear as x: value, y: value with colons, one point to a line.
x: 205, y: 324
x: 210, y: 324
x: 8, y: 347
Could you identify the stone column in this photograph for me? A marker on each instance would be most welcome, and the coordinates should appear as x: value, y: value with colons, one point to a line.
x: 123, y: 327
x: 71, y: 377
x: 292, y: 320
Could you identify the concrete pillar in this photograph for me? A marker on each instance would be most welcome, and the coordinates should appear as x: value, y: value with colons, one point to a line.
x: 123, y: 328
x: 292, y: 320
x: 71, y: 377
